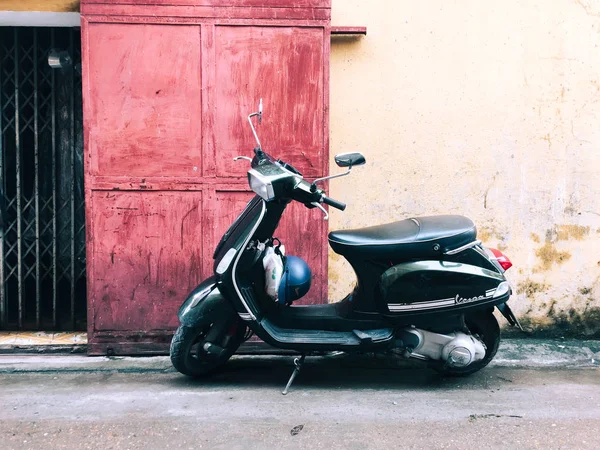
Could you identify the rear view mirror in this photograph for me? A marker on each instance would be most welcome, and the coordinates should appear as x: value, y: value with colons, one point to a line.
x: 342, y: 160
x: 350, y: 159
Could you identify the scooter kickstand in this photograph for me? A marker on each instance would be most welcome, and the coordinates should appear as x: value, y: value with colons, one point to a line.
x: 297, y: 366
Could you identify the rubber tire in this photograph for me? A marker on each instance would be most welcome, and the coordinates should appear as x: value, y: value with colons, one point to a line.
x: 486, y: 326
x: 185, y: 338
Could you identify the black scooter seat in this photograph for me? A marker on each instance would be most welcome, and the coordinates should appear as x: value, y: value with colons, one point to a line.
x: 419, y: 237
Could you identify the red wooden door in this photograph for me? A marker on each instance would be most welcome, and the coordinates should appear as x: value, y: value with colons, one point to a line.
x: 167, y: 88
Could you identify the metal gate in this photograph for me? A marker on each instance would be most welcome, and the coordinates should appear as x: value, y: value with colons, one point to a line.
x: 42, y: 223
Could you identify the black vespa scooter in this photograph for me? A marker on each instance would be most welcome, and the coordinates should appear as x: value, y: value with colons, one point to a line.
x: 426, y: 286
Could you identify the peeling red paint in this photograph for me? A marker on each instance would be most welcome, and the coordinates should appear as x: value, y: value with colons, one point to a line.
x: 284, y: 66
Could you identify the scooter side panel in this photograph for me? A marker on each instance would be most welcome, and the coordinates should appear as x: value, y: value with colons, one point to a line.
x: 435, y: 286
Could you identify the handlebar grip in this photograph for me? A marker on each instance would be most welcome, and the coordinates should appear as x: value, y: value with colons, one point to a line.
x: 334, y: 203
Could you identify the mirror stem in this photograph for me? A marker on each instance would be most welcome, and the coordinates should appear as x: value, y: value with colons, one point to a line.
x: 313, y: 186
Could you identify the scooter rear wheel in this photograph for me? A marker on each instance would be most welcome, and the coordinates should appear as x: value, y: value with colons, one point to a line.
x: 486, y: 327
x: 187, y: 348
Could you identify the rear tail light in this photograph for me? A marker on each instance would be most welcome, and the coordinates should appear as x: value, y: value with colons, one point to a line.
x: 501, y: 258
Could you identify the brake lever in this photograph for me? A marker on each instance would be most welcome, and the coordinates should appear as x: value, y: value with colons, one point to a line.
x: 318, y: 205
x: 247, y: 158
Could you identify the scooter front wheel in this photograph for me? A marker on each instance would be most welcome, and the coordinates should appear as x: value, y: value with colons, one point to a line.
x: 189, y: 352
x: 486, y: 327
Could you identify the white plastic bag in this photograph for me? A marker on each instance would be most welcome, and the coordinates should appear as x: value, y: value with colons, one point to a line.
x: 273, y: 264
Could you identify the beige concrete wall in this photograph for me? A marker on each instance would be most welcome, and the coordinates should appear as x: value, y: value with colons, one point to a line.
x: 487, y: 109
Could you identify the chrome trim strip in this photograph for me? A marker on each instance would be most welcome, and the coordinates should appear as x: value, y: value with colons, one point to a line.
x: 464, y: 247
x: 245, y: 316
x: 482, y: 251
x: 430, y: 302
x: 487, y: 254
x: 237, y: 289
x: 419, y: 306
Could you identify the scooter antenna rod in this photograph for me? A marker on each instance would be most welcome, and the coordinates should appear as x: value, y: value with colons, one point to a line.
x: 253, y: 130
x: 259, y: 114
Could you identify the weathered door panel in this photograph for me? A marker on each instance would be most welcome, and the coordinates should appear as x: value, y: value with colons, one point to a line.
x: 167, y: 89
x: 146, y: 115
x: 147, y: 257
x: 284, y: 67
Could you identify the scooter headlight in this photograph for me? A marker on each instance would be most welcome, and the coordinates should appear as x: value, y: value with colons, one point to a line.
x: 261, y: 185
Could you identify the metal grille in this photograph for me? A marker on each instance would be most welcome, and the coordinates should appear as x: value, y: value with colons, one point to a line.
x: 42, y: 226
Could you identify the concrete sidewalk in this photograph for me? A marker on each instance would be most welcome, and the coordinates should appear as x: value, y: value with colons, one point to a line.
x: 517, y: 353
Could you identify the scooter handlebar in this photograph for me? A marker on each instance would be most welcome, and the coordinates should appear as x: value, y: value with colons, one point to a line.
x: 334, y: 203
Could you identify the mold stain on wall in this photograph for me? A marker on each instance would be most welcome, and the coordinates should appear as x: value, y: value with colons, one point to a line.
x: 564, y: 323
x: 530, y: 288
x: 494, y: 237
x: 576, y: 232
x: 581, y: 318
x: 548, y: 254
x: 570, y: 313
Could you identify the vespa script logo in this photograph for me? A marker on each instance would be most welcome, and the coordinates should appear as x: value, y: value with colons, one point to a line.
x: 459, y: 300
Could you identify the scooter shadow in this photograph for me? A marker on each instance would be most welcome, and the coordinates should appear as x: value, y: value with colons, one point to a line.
x: 340, y: 372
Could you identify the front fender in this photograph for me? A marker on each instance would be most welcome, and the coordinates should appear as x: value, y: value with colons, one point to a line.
x: 205, y: 300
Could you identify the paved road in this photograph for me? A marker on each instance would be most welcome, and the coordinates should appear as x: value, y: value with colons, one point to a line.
x: 337, y: 404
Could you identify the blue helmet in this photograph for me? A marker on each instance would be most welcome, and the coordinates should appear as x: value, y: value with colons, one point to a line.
x: 295, y: 281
